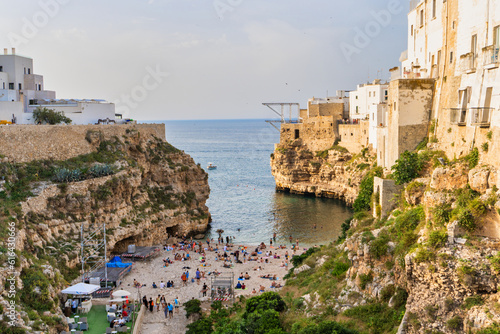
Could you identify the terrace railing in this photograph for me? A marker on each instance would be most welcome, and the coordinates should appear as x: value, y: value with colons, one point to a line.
x: 481, y: 117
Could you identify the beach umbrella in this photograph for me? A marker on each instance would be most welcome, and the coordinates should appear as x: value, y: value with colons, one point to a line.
x: 118, y: 300
x: 220, y: 231
x: 121, y: 293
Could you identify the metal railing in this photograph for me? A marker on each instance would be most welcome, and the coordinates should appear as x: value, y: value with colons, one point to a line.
x: 491, y: 55
x: 458, y: 116
x: 480, y: 116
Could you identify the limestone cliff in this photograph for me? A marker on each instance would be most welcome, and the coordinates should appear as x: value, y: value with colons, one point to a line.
x: 333, y: 173
x: 144, y: 189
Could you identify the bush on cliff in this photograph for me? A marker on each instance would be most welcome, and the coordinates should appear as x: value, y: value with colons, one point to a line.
x: 406, y: 167
x: 363, y: 201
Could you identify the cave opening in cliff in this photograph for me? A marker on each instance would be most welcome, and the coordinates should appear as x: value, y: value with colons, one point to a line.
x: 122, y: 245
x: 172, y: 231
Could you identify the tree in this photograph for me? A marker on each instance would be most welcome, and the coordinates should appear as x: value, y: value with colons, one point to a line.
x: 49, y: 116
x: 406, y: 168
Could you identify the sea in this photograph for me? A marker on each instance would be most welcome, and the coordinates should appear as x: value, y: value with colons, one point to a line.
x: 243, y: 200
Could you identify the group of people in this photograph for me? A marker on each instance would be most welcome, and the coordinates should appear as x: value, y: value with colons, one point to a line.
x: 170, y: 284
x: 161, y: 303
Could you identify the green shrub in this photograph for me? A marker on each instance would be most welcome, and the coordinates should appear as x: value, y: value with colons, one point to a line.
x: 387, y: 292
x: 298, y: 259
x: 49, y: 116
x: 192, y: 307
x: 454, y: 323
x: 477, y: 207
x: 363, y: 201
x: 201, y: 326
x: 365, y: 279
x: 326, y: 327
x: 379, y: 246
x: 441, y: 214
x: 485, y: 147
x: 438, y: 239
x: 406, y: 168
x: 36, y: 292
x: 489, y: 135
x: 466, y: 220
x: 470, y: 302
x: 424, y: 255
x: 267, y: 300
x: 472, y: 158
x: 378, y: 317
x: 101, y: 170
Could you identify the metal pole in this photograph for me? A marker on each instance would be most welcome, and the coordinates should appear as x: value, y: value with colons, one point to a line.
x: 105, y: 256
x: 82, y: 259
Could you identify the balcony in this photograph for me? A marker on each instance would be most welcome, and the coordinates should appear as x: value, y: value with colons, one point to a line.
x: 491, y: 57
x: 481, y: 117
x: 468, y: 62
x: 458, y: 116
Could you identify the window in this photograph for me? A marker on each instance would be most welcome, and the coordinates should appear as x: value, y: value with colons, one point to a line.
x: 11, y: 85
x: 20, y: 86
x: 29, y: 70
x: 434, y: 8
x: 297, y: 134
x: 473, y: 47
x: 1, y: 68
x: 422, y: 18
x: 25, y: 70
x: 357, y: 110
x: 4, y: 85
x: 496, y: 39
x: 451, y: 57
x: 411, y: 30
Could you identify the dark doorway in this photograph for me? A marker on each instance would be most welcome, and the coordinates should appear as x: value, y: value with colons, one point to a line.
x: 297, y: 134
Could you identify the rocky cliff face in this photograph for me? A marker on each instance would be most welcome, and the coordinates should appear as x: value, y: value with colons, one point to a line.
x: 334, y: 173
x: 141, y: 187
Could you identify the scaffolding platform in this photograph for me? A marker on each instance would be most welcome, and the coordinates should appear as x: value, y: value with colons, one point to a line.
x: 222, y: 288
x: 142, y: 253
x: 115, y: 275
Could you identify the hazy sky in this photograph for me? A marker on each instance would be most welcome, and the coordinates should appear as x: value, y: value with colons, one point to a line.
x: 205, y: 59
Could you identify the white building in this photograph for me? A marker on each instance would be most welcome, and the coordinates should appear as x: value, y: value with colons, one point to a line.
x: 368, y: 102
x: 22, y: 91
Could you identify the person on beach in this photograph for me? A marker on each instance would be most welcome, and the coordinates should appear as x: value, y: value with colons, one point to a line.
x: 165, y: 310
x: 291, y: 239
x: 170, y: 310
x: 198, y: 276
x: 158, y: 299
x: 184, y: 279
x: 204, y: 290
x: 177, y: 304
x: 151, y: 304
x: 274, y: 236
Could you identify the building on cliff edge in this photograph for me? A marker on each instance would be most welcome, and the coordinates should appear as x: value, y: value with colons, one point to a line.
x: 22, y: 91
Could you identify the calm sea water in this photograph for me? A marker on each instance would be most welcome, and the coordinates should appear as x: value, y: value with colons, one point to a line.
x: 243, y: 190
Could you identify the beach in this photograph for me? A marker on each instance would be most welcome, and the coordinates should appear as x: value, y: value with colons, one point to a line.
x: 155, y: 271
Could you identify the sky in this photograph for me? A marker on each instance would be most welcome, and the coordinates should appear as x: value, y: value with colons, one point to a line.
x: 205, y: 59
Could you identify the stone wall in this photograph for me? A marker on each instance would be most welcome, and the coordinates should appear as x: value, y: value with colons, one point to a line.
x: 384, y: 191
x: 24, y: 143
x: 354, y: 137
x: 316, y: 134
x: 335, y: 110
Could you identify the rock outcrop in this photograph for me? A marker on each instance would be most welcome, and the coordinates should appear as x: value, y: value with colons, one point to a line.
x: 150, y: 192
x: 333, y: 173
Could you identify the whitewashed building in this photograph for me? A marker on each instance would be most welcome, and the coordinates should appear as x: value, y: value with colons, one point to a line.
x: 369, y: 102
x: 22, y: 91
x: 457, y: 43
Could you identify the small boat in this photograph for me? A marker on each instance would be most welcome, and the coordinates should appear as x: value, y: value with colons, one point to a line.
x: 211, y: 166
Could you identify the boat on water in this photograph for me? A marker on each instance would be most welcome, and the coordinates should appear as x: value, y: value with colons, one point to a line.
x: 211, y: 166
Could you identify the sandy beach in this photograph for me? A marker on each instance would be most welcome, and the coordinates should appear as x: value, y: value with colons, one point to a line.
x: 155, y: 271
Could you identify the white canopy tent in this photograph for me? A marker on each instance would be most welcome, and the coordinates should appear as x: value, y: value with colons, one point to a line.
x: 121, y: 293
x: 81, y: 289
